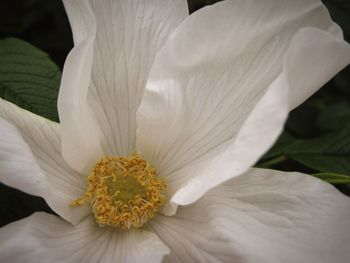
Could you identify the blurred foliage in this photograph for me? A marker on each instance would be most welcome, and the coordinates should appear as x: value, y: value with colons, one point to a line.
x: 329, y: 153
x: 319, y: 128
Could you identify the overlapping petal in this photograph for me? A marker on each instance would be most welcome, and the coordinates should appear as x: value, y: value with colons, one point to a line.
x: 261, y: 216
x: 215, y: 100
x: 106, y: 72
x: 46, y: 238
x: 31, y: 161
x: 312, y: 59
x: 80, y: 142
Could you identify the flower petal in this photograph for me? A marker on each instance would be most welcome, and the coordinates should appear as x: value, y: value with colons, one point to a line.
x: 261, y: 216
x: 80, y: 131
x: 15, y: 151
x: 313, y: 58
x: 216, y: 98
x: 128, y: 36
x: 46, y: 238
x: 31, y: 160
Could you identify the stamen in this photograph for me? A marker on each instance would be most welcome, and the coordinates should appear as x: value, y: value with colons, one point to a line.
x: 123, y: 192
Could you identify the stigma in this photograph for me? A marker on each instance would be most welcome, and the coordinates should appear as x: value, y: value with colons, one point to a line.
x: 123, y: 192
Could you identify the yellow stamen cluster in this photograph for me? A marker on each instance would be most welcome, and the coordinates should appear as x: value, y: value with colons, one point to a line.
x: 123, y: 191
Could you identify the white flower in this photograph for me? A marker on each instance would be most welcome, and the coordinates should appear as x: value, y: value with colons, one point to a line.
x: 200, y: 97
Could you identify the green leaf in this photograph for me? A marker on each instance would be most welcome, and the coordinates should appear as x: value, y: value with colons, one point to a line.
x: 333, y: 178
x: 329, y: 153
x: 301, y: 121
x: 334, y: 117
x: 281, y: 146
x: 29, y: 78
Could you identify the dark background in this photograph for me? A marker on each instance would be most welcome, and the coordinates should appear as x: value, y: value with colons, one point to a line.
x: 44, y: 24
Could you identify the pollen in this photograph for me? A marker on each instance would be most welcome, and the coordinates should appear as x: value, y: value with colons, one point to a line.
x: 123, y: 192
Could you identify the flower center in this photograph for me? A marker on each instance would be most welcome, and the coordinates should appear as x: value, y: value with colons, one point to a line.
x: 123, y: 191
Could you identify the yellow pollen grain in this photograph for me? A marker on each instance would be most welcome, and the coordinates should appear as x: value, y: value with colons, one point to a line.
x: 123, y: 191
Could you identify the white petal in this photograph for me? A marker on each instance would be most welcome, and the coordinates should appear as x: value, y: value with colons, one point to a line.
x: 46, y: 238
x: 215, y: 100
x: 17, y: 162
x: 195, y: 238
x: 262, y: 216
x: 80, y: 131
x: 135, y: 246
x: 31, y: 160
x: 313, y: 58
x: 100, y: 111
x: 258, y: 132
x: 129, y: 35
